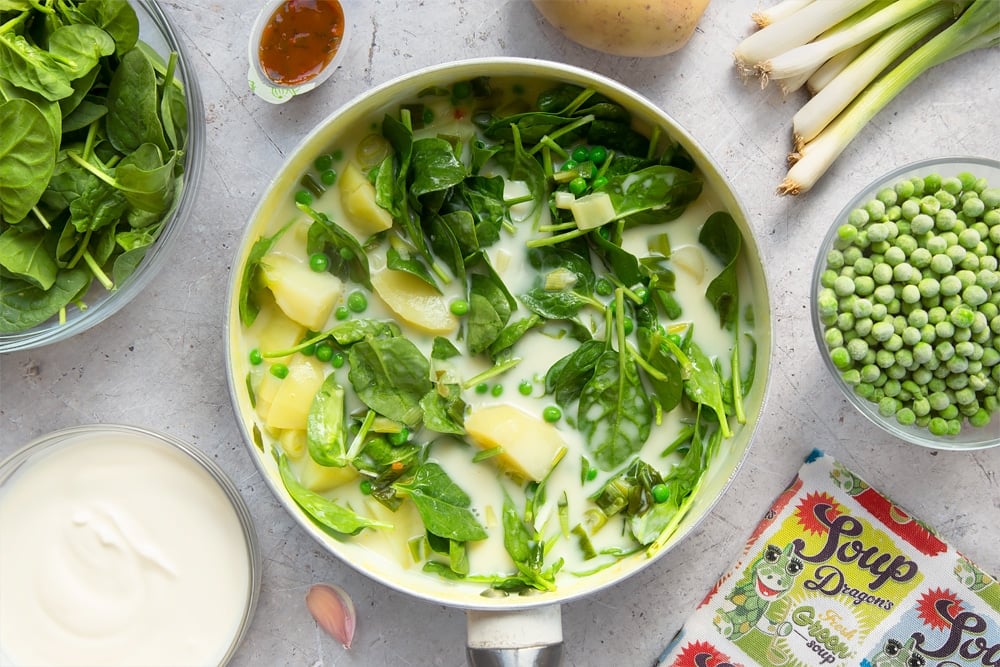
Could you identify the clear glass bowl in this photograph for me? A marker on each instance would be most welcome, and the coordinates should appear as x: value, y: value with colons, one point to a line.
x: 970, y: 437
x: 155, y: 29
x: 200, y: 481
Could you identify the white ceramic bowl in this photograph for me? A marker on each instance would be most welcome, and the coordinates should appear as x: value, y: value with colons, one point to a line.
x: 156, y: 30
x: 970, y: 437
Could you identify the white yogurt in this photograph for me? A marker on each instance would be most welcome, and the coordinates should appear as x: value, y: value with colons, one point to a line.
x: 119, y: 549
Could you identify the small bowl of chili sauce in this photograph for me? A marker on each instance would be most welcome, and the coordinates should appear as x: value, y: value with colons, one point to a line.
x: 295, y: 46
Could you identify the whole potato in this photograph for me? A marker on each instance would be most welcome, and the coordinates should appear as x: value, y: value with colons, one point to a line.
x: 637, y: 28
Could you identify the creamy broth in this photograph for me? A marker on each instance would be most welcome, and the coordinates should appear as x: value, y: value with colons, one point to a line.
x: 487, y: 481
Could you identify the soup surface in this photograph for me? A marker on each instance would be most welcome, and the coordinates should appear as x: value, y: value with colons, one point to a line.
x: 494, y: 334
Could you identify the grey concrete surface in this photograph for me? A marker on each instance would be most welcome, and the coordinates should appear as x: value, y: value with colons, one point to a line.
x: 159, y: 362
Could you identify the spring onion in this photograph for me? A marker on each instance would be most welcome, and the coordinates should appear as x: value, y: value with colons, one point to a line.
x: 977, y: 27
x: 795, y: 30
x: 854, y: 57
x: 826, y: 104
x: 807, y: 58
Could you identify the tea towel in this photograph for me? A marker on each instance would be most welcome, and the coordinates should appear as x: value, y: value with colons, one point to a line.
x: 836, y: 574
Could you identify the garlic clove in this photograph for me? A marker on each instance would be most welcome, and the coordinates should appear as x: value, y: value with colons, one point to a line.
x: 333, y: 610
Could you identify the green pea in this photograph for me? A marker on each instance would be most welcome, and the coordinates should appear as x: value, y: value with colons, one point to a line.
x: 323, y: 162
x: 357, y: 301
x: 319, y: 262
x: 496, y: 390
x: 551, y: 414
x: 342, y: 313
x: 324, y: 352
x: 604, y: 287
x: 328, y: 177
x: 580, y: 154
x: 303, y: 197
x: 459, y: 307
x: 525, y: 388
x: 482, y: 388
x: 256, y: 358
x: 366, y: 487
x: 338, y: 360
x: 661, y: 493
x: 578, y: 186
x: 598, y: 154
x: 279, y: 371
x: 400, y: 437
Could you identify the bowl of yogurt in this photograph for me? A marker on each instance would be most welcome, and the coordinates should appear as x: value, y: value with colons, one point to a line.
x: 122, y: 547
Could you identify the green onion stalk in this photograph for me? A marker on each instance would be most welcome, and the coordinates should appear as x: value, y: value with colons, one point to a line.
x: 978, y: 27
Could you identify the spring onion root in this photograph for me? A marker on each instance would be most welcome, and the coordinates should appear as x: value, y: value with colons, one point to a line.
x: 766, y: 17
x: 847, y: 55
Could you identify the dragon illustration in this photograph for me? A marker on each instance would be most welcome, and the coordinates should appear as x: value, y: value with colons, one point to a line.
x: 769, y: 579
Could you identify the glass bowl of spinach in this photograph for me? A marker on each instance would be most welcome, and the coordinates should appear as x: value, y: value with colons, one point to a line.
x: 96, y: 174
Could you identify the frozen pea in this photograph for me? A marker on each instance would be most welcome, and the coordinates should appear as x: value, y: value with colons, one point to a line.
x: 951, y: 302
x: 875, y: 209
x: 970, y: 262
x: 936, y: 244
x: 840, y: 357
x: 991, y: 197
x: 863, y: 326
x: 929, y: 287
x: 922, y: 352
x: 974, y: 295
x: 966, y: 277
x: 945, y: 199
x: 870, y: 373
x: 910, y: 336
x: 956, y: 253
x: 857, y: 348
x: 981, y: 418
x: 852, y: 376
x: 893, y: 343
x: 858, y: 217
x: 945, y: 219
x: 834, y: 337
x: 843, y: 286
x: 864, y: 285
x: 884, y: 294
x: 920, y: 258
x: 862, y: 308
x: 937, y: 426
x: 893, y: 255
x: 887, y: 406
x: 904, y: 189
x: 930, y: 205
x: 950, y: 285
x: 845, y: 322
x: 952, y: 185
x: 902, y: 272
x: 969, y: 238
x: 828, y: 277
x: 904, y: 358
x: 962, y: 317
x: 920, y: 223
x: 882, y: 274
x: 944, y: 329
x: 882, y: 330
x: 834, y: 259
x: 943, y: 350
x: 896, y: 372
x: 905, y: 416
x: 863, y: 266
x: 941, y: 264
x: 957, y: 364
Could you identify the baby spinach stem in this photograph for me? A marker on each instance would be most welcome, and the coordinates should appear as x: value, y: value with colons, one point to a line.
x: 490, y: 373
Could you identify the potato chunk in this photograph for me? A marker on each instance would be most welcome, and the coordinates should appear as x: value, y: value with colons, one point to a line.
x: 358, y: 195
x: 304, y: 295
x: 294, y: 395
x: 279, y: 333
x: 414, y: 301
x: 530, y: 445
x: 321, y: 479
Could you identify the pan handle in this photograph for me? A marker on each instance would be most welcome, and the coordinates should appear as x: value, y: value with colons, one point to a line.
x: 523, y: 638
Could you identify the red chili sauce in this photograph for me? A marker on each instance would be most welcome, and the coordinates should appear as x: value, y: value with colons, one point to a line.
x: 299, y: 39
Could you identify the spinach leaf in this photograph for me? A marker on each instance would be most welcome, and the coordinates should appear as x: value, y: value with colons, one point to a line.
x: 665, y: 190
x: 445, y: 244
x: 347, y: 258
x: 669, y: 388
x: 79, y: 47
x: 512, y: 333
x: 443, y: 349
x: 98, y: 206
x: 23, y: 305
x: 27, y: 66
x: 117, y: 18
x: 614, y: 413
x: 621, y: 262
x: 325, y: 512
x: 396, y: 261
x: 703, y: 384
x: 390, y: 376
x: 490, y: 304
x: 442, y: 504
x: 24, y: 252
x: 326, y: 431
x: 146, y: 180
x: 251, y: 284
x: 27, y: 158
x: 133, y: 110
x: 444, y: 410
x: 561, y: 301
x: 127, y: 262
x: 566, y: 378
x: 723, y: 239
x: 434, y: 166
